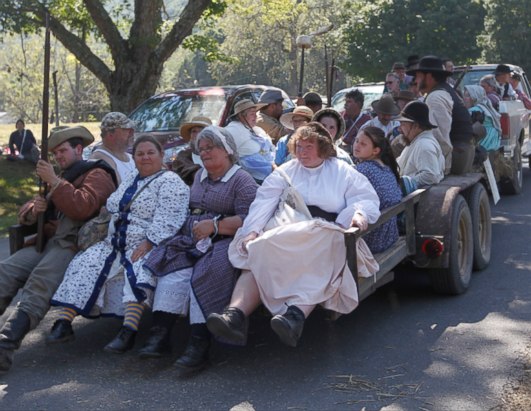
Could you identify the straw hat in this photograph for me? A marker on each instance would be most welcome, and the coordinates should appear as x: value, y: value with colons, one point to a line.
x: 186, y: 128
x: 246, y: 104
x: 287, y: 119
x: 61, y: 134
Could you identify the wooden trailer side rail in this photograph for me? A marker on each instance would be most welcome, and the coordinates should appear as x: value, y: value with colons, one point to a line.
x: 404, y: 247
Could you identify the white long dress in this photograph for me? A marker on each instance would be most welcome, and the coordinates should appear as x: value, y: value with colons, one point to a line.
x: 304, y: 263
x: 103, y: 278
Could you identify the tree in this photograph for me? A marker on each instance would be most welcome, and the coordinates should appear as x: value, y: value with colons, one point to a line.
x: 136, y: 61
x: 259, y: 37
x: 384, y: 31
x: 507, y: 33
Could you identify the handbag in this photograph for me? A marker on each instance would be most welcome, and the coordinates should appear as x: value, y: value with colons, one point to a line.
x: 97, y: 228
x: 291, y: 207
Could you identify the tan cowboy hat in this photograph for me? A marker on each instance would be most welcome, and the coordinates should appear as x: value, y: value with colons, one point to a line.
x: 246, y: 104
x: 186, y: 128
x: 61, y: 134
x: 287, y: 119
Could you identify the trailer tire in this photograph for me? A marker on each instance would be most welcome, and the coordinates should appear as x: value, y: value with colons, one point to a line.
x: 455, y: 279
x: 478, y: 203
x: 513, y: 184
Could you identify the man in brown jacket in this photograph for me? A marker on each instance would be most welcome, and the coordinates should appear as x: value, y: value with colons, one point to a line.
x: 75, y: 196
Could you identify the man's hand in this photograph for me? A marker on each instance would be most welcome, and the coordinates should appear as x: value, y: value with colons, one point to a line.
x: 46, y: 172
x: 39, y: 205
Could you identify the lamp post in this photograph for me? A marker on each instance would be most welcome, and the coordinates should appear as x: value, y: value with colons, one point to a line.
x: 305, y: 42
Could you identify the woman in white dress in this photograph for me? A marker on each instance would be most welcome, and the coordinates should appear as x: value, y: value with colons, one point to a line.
x: 294, y: 267
x: 108, y: 278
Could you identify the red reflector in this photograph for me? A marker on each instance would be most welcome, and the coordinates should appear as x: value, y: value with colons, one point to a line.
x: 432, y: 247
x: 504, y: 122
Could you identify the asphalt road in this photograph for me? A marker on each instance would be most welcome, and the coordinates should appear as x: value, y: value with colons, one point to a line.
x: 404, y: 348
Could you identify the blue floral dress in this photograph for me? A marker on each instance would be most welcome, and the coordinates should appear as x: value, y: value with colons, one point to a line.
x: 384, y: 182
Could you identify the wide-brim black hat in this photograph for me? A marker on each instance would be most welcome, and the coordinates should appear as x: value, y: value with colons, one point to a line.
x: 430, y: 64
x: 416, y: 112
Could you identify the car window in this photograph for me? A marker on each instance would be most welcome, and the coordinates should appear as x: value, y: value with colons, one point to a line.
x: 472, y: 78
x: 167, y: 112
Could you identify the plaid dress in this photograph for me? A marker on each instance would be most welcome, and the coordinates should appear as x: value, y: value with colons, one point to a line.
x: 213, y: 277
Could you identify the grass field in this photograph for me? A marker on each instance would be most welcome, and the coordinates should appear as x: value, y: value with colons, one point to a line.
x: 18, y: 184
x: 7, y: 129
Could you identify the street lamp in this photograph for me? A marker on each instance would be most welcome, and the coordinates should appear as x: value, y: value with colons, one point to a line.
x: 305, y: 42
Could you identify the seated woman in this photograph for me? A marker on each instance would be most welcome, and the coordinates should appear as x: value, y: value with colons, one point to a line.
x: 421, y: 162
x: 197, y: 281
x: 335, y: 124
x: 253, y: 145
x: 294, y: 267
x: 377, y: 163
x: 490, y: 86
x: 149, y: 206
x: 301, y: 116
x: 482, y: 110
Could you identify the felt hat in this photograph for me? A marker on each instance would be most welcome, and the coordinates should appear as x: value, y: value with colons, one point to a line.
x: 245, y: 104
x: 186, y: 128
x: 405, y: 95
x: 115, y: 119
x: 412, y: 60
x: 398, y: 66
x: 270, y: 97
x: 385, y: 105
x: 430, y: 64
x: 416, y: 112
x: 61, y: 134
x: 287, y: 119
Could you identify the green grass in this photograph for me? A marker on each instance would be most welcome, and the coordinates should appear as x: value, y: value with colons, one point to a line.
x: 18, y: 184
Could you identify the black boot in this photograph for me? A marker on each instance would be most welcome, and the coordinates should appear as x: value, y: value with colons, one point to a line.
x: 61, y: 332
x: 195, y: 356
x: 231, y: 325
x: 289, y: 326
x: 14, y: 330
x: 124, y: 341
x: 159, y: 337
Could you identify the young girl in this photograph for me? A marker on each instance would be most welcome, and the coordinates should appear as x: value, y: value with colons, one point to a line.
x: 376, y: 162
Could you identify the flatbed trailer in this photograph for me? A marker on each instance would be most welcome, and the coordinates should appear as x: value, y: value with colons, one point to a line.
x: 446, y: 230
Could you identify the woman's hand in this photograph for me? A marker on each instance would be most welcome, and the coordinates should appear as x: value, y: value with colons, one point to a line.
x: 359, y: 221
x: 249, y: 237
x: 141, y: 250
x: 203, y: 229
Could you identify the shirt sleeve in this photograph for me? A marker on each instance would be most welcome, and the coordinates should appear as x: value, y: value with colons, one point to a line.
x: 427, y: 161
x: 173, y: 198
x: 441, y: 104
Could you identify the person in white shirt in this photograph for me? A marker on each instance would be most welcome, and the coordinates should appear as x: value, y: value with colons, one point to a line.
x: 386, y: 109
x: 117, y: 132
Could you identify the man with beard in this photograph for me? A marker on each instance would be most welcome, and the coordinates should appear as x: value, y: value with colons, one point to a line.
x: 448, y: 113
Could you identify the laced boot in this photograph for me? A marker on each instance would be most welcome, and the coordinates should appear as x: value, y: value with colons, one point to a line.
x: 61, y: 332
x: 157, y: 343
x: 231, y: 325
x: 194, y: 357
x: 11, y: 335
x: 289, y: 326
x: 124, y: 341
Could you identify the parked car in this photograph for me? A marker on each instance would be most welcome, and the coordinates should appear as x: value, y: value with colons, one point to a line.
x: 514, y: 123
x: 163, y: 114
x: 371, y: 91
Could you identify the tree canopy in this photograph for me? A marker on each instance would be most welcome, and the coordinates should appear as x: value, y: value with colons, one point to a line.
x: 139, y: 38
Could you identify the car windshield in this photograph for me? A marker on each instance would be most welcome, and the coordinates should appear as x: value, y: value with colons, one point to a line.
x: 470, y: 77
x: 167, y: 112
x: 370, y: 93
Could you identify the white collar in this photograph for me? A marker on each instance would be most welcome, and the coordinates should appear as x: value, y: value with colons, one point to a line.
x: 226, y: 177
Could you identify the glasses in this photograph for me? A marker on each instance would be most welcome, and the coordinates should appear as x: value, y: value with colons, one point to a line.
x: 206, y: 149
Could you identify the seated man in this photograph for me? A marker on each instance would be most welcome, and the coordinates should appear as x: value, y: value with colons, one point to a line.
x: 385, y: 109
x: 422, y: 161
x: 76, y: 195
x: 268, y: 117
x: 117, y: 132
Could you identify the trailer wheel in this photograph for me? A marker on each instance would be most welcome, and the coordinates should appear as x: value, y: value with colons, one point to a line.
x: 513, y: 184
x: 456, y: 277
x: 478, y: 203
